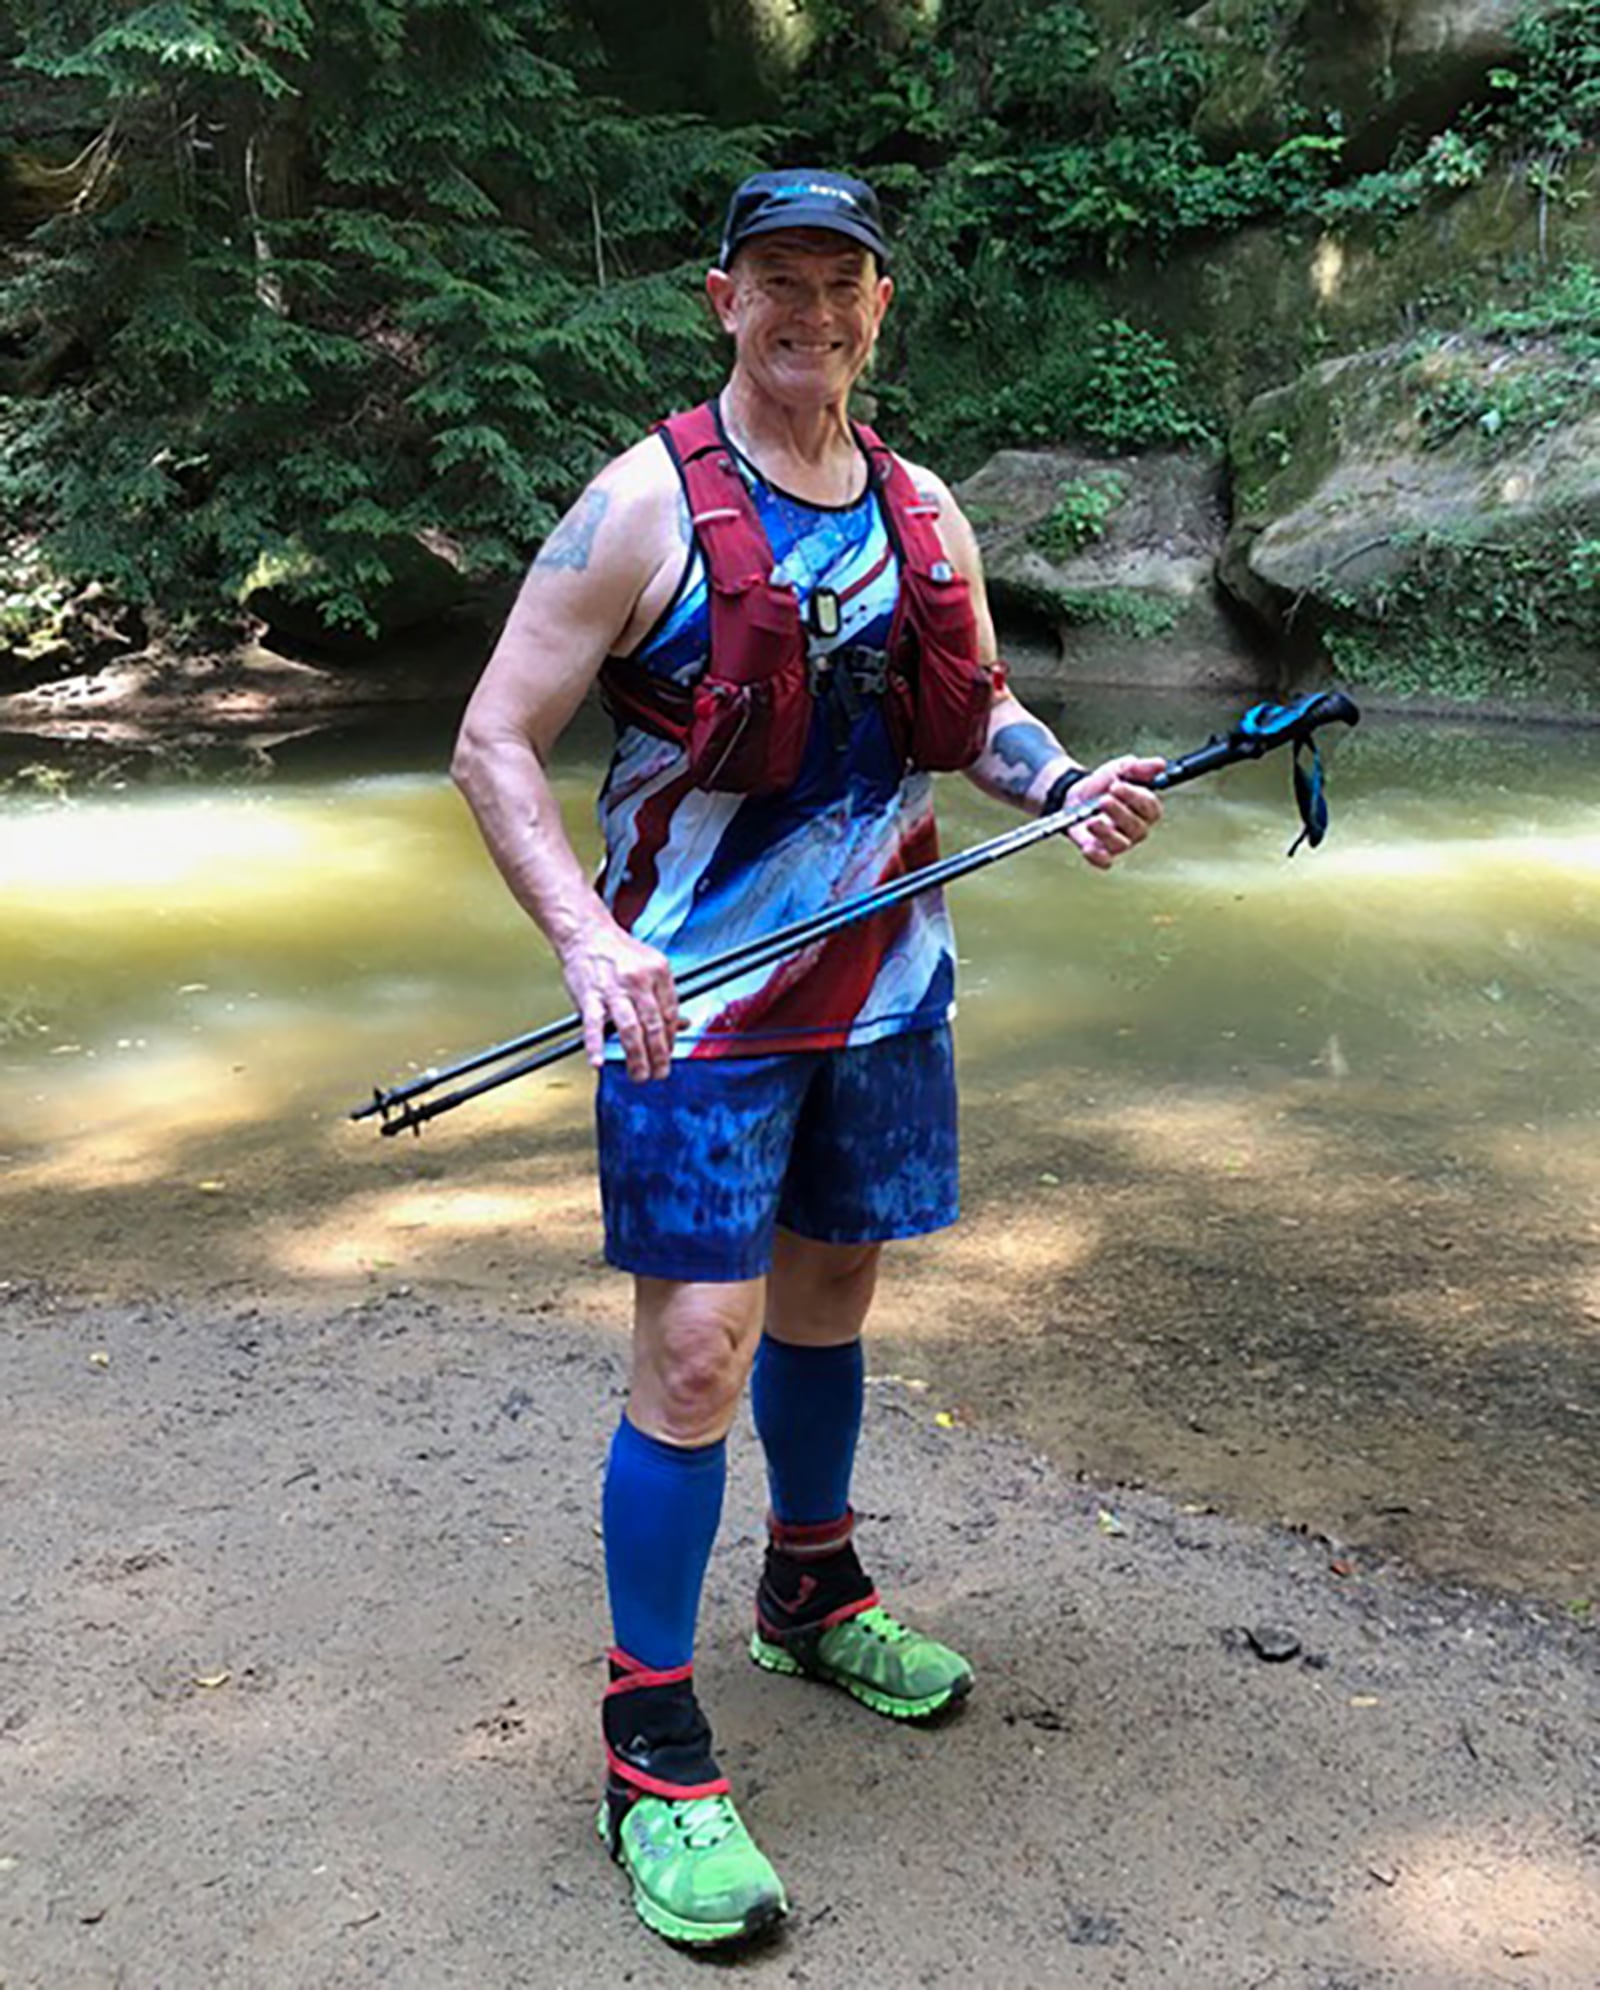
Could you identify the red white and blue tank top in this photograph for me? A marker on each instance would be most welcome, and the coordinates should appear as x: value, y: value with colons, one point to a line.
x: 694, y: 873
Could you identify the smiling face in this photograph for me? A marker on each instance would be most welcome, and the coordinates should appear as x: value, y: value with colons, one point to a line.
x: 803, y: 306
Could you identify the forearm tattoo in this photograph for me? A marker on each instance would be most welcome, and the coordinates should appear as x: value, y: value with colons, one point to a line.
x: 1018, y: 754
x: 572, y: 541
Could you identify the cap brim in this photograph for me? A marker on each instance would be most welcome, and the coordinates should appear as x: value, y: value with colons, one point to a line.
x: 791, y: 224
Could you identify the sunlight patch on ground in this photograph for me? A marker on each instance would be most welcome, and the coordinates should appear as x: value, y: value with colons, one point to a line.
x: 974, y: 1273
x: 1222, y: 1136
x: 533, y: 1108
x: 1439, y: 1311
x: 1563, y: 1153
x: 405, y: 1228
x: 268, y: 1064
x: 1468, y: 1911
x: 139, y: 1114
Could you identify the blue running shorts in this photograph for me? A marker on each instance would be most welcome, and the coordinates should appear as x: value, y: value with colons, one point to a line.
x: 852, y: 1146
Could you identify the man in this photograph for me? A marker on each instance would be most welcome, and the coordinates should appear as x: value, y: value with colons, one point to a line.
x: 790, y: 629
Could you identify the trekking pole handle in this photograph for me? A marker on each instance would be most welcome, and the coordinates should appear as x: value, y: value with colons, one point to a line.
x: 1261, y: 729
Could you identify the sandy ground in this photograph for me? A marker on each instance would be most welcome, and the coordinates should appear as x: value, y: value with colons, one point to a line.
x: 303, y: 1631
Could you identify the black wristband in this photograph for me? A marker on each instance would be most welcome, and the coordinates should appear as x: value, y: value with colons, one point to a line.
x: 1061, y: 787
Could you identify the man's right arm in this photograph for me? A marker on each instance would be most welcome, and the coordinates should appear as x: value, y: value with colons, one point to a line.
x: 580, y: 598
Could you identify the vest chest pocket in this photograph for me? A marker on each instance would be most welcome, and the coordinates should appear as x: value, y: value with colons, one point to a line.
x: 749, y: 738
x: 939, y: 696
x: 752, y: 709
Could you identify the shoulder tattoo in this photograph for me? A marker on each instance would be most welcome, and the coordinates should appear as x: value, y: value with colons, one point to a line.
x: 571, y: 543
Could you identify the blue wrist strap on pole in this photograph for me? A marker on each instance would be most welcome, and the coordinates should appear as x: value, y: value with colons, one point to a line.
x: 1274, y: 725
x: 1310, y: 798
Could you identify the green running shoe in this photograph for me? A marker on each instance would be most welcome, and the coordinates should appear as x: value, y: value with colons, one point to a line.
x: 818, y: 1615
x: 877, y: 1660
x: 698, y: 1876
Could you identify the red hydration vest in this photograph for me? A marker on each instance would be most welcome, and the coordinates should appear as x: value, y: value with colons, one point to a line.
x: 745, y: 722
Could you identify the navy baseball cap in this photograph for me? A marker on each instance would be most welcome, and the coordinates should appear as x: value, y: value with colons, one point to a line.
x: 803, y: 197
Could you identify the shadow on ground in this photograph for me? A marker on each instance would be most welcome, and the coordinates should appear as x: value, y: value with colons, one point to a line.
x: 1381, y: 1325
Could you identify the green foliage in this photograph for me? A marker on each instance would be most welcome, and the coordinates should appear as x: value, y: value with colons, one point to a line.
x: 1544, y: 108
x: 1078, y: 517
x: 368, y: 269
x: 1453, y: 160
x: 1058, y: 143
x: 32, y: 595
x: 45, y: 783
x: 1101, y: 380
x: 1562, y: 305
x: 1068, y: 142
x: 1125, y: 610
x: 1583, y: 565
x: 1136, y: 395
x: 130, y: 54
x: 1513, y: 402
x: 1549, y: 98
x: 1052, y: 50
x: 1473, y: 620
x: 340, y: 273
x: 1532, y: 368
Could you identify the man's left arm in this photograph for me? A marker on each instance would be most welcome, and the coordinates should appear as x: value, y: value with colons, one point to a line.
x: 1022, y: 761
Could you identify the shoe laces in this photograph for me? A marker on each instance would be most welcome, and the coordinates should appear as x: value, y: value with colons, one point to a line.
x: 886, y: 1629
x: 703, y: 1822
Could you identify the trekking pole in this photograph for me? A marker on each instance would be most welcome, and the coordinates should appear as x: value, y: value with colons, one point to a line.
x: 1262, y: 729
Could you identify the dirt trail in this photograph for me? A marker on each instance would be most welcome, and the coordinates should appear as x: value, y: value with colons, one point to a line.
x: 302, y: 1639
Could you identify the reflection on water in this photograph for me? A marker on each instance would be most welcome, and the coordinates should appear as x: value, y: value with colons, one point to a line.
x: 337, y: 923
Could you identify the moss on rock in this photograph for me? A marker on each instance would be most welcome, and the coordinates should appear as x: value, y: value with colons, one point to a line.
x: 1253, y: 311
x: 1426, y: 517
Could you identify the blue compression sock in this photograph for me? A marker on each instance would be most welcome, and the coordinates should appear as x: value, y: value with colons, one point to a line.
x: 807, y: 1404
x: 659, y: 1514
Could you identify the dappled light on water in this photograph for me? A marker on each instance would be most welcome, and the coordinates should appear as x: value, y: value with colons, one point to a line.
x: 194, y: 850
x: 190, y: 962
x: 1498, y: 863
x: 276, y: 951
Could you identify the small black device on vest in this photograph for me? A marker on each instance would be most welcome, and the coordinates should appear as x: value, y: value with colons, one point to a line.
x: 823, y: 614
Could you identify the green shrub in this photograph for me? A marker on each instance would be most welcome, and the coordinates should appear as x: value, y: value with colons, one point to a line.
x: 1123, y: 609
x: 1078, y: 517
